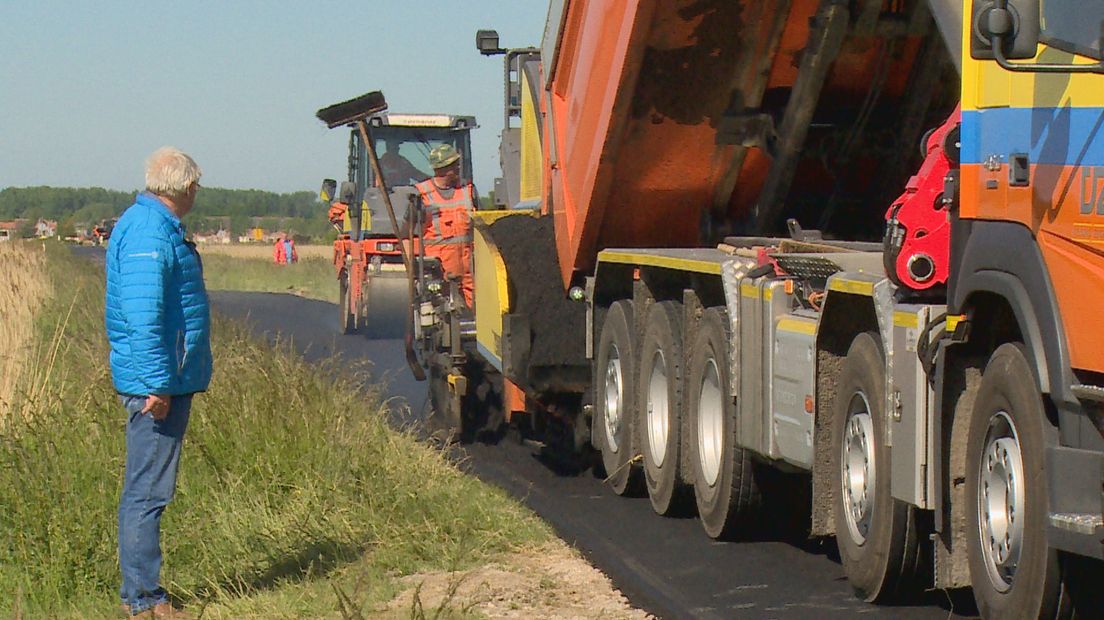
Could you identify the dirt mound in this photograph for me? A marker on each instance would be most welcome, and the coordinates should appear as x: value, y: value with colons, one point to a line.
x: 549, y: 582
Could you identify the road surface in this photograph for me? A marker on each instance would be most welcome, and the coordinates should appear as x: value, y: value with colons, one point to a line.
x: 663, y: 565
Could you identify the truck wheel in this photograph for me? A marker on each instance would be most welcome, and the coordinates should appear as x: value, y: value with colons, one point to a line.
x: 725, y: 488
x: 877, y: 535
x: 615, y: 386
x: 660, y: 407
x: 346, y: 305
x: 1012, y: 570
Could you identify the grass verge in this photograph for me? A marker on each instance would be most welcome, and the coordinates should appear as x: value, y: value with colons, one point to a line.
x: 310, y: 277
x: 263, y: 251
x: 295, y: 499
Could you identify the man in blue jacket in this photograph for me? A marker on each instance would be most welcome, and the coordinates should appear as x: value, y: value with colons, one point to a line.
x: 159, y: 325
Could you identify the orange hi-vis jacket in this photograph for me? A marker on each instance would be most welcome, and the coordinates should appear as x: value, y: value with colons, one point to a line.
x: 447, y: 231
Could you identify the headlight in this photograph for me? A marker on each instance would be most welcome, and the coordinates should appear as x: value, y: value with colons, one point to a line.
x: 385, y: 246
x: 434, y: 286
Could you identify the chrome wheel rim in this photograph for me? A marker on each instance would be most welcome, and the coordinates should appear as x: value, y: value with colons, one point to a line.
x: 614, y: 396
x: 710, y: 424
x: 1001, y: 501
x: 658, y: 409
x: 858, y: 469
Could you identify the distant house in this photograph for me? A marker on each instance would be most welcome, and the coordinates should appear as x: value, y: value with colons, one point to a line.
x: 45, y: 228
x: 9, y: 231
x: 220, y: 237
x: 259, y: 235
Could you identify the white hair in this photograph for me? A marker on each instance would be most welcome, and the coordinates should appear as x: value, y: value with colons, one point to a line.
x: 170, y: 172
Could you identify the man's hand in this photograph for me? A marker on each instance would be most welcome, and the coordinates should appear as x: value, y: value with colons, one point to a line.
x: 157, y: 405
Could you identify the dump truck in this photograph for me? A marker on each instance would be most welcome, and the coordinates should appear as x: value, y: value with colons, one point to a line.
x: 925, y: 356
x: 367, y: 256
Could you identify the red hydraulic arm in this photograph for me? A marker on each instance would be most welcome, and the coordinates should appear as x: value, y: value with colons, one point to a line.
x: 918, y: 229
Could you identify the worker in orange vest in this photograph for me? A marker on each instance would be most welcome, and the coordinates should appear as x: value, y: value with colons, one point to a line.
x: 284, y: 252
x: 278, y: 250
x: 446, y: 203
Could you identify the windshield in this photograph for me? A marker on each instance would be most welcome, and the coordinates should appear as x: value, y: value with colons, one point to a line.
x: 404, y: 152
x: 1073, y: 26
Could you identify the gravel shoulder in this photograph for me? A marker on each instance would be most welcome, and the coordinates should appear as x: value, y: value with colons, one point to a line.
x: 552, y: 582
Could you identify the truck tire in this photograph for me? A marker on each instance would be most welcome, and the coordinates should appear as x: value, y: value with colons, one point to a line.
x: 346, y: 305
x: 1012, y: 569
x: 661, y: 407
x: 615, y: 411
x: 725, y: 489
x: 877, y: 535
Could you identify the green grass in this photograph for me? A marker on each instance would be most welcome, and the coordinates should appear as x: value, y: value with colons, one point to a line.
x: 293, y: 491
x: 310, y: 277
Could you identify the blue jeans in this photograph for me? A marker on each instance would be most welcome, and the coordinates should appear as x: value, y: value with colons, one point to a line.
x: 152, y: 460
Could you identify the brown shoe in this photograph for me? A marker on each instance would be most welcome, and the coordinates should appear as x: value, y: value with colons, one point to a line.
x: 166, y: 610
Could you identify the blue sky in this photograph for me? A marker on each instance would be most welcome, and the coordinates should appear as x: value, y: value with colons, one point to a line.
x: 88, y: 89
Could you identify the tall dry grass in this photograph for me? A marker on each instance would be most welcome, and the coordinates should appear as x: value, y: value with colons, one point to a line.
x: 264, y: 250
x: 24, y: 288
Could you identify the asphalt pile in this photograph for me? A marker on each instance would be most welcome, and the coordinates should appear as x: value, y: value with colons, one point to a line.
x: 528, y: 247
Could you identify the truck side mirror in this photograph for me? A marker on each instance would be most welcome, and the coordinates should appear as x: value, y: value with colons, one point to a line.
x: 348, y: 192
x: 329, y: 190
x: 1014, y: 22
x: 486, y: 41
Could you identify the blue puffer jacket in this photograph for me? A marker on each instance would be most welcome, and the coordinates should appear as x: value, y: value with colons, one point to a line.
x: 157, y: 316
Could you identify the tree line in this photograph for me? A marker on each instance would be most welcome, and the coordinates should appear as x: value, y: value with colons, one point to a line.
x: 236, y: 209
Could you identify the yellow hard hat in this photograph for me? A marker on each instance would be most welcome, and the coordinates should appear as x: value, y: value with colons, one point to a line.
x: 442, y: 155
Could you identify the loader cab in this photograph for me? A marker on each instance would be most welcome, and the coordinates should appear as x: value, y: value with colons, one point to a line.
x: 402, y: 144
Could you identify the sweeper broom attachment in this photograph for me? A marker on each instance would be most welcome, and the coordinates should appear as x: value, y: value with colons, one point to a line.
x: 353, y: 110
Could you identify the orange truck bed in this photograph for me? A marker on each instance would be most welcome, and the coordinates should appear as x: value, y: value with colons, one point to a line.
x: 636, y: 96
